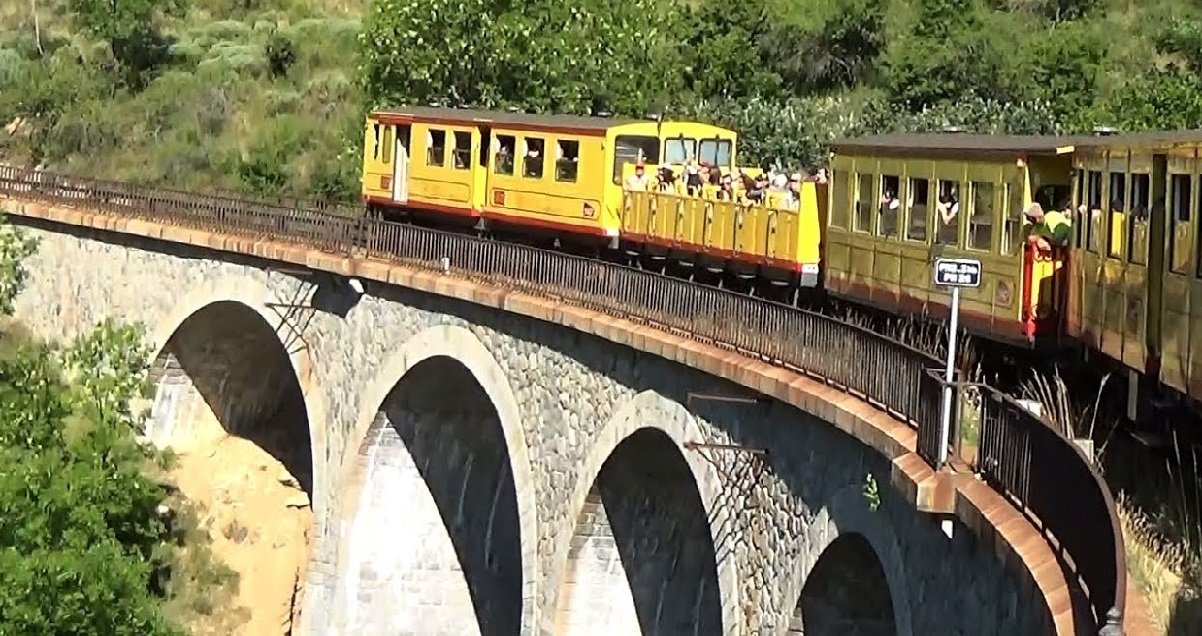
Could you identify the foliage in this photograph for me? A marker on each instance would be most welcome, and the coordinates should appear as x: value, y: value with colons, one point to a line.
x: 77, y: 512
x: 622, y: 55
x: 15, y: 246
x: 129, y: 26
x: 82, y: 547
x: 268, y: 96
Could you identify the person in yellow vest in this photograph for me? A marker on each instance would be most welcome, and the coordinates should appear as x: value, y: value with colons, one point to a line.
x: 1047, y: 230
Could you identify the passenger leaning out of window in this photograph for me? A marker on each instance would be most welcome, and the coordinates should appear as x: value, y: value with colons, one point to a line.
x: 1046, y: 230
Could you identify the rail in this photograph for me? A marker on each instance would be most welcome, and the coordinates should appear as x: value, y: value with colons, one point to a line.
x: 1017, y: 454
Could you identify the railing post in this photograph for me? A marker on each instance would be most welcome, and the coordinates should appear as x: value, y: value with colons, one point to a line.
x: 1114, y: 623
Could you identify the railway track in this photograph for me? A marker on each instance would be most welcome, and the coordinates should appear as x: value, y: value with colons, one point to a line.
x: 1015, y: 452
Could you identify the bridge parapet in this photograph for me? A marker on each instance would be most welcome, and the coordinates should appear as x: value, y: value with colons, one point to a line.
x: 1020, y: 457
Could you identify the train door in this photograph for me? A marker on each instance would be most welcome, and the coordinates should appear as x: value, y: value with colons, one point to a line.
x: 400, y: 177
x: 480, y: 175
x: 1178, y: 280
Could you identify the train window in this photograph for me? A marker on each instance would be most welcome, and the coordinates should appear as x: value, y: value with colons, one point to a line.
x: 839, y: 203
x: 889, y: 205
x: 916, y: 210
x: 532, y: 159
x: 679, y: 150
x: 1118, y: 214
x: 630, y: 149
x: 980, y: 224
x: 462, y: 153
x: 436, y: 147
x: 715, y: 152
x: 947, y: 213
x: 506, y: 146
x: 863, y: 198
x: 1095, y: 226
x: 567, y: 161
x: 1137, y: 220
x: 387, y: 144
x: 1013, y: 205
x: 1180, y: 199
x: 375, y: 146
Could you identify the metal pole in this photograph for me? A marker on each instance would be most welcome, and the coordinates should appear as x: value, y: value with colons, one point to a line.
x: 946, y: 419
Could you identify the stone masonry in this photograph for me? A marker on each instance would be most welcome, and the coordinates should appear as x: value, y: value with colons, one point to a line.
x: 475, y: 471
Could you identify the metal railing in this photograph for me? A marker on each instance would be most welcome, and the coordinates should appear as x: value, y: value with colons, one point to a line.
x: 1018, y: 454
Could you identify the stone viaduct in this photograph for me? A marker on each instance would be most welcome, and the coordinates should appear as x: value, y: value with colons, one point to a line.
x: 483, y: 463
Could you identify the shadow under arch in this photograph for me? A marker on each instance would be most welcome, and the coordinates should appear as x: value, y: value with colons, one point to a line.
x: 641, y: 557
x: 444, y: 399
x: 859, y: 560
x: 233, y: 358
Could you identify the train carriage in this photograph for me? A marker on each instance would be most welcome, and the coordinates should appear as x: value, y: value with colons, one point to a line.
x: 1135, y: 256
x: 559, y: 174
x: 890, y: 202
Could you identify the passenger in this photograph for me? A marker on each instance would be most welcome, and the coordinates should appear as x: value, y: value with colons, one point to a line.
x: 638, y: 181
x: 948, y: 207
x: 793, y: 200
x: 755, y: 194
x: 726, y: 189
x: 889, y: 206
x: 667, y: 180
x: 693, y: 178
x: 1049, y: 230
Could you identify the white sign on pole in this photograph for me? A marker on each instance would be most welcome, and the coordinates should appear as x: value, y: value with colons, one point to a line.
x: 954, y: 273
x: 958, y: 272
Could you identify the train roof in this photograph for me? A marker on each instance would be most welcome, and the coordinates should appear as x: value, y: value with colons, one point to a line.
x: 973, y: 144
x: 503, y: 118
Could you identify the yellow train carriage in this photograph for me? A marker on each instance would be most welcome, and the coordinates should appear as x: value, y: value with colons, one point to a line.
x: 774, y: 241
x: 550, y: 172
x: 886, y: 226
x: 1136, y: 255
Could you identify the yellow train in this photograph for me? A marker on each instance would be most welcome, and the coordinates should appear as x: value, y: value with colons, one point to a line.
x: 1121, y: 288
x: 564, y: 176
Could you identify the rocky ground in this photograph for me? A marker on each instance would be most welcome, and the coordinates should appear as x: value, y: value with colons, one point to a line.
x: 259, y: 520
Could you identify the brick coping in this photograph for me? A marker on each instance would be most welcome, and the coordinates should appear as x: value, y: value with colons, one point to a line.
x: 1001, y: 527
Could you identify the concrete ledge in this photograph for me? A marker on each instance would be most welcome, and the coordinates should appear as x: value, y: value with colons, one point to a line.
x: 994, y: 519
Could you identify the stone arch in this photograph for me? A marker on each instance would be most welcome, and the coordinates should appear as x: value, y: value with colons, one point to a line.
x: 226, y: 363
x: 647, y: 419
x: 846, y: 522
x: 439, y: 349
x: 257, y: 296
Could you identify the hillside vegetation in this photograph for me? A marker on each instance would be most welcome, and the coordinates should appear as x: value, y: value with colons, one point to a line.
x: 267, y: 96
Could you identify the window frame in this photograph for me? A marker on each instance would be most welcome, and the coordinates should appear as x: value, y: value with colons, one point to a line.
x: 496, y: 154
x: 431, y: 146
x: 908, y: 204
x: 562, y: 159
x: 973, y: 186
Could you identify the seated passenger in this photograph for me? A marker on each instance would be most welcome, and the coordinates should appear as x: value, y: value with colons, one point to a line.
x: 1049, y: 230
x: 638, y: 181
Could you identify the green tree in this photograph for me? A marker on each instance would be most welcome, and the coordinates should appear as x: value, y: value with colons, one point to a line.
x: 946, y: 55
x: 131, y: 27
x: 541, y: 56
x: 1168, y: 99
x: 840, y: 50
x: 723, y: 56
x: 78, y: 525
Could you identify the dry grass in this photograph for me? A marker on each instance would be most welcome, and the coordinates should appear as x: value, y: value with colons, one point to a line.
x: 1161, y: 570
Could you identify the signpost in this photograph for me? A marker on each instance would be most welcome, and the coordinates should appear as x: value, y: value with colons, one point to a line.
x: 955, y: 273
